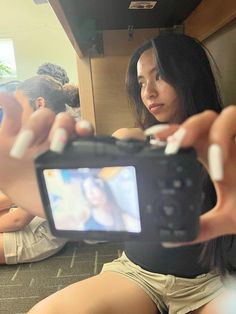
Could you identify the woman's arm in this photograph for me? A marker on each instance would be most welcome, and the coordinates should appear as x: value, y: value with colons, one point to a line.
x: 5, y: 202
x: 14, y: 220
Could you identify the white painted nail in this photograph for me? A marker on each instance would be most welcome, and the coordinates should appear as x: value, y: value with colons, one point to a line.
x: 174, y: 141
x: 157, y: 142
x: 84, y: 124
x: 215, y: 161
x: 59, y: 140
x: 169, y: 245
x: 23, y: 141
x: 156, y: 129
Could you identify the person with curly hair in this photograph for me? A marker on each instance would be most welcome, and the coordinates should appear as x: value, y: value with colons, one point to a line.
x: 54, y: 70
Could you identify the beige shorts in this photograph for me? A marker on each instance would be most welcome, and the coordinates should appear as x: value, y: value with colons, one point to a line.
x: 33, y: 243
x: 173, y: 295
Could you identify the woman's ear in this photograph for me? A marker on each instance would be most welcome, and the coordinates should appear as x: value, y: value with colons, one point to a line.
x: 40, y: 103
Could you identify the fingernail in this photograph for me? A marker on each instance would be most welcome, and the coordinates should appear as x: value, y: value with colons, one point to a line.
x: 156, y: 129
x: 23, y: 141
x: 59, y: 140
x: 169, y: 245
x: 215, y: 161
x: 84, y: 124
x: 174, y: 141
x: 157, y: 142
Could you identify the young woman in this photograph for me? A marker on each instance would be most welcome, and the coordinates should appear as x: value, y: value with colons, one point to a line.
x: 106, y: 214
x: 173, y: 80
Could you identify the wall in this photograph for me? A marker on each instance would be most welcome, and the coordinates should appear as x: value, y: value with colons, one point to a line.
x: 222, y: 46
x: 38, y: 37
x: 111, y: 104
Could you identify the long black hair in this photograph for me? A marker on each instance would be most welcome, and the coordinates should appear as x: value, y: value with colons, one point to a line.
x: 104, y: 187
x: 184, y: 63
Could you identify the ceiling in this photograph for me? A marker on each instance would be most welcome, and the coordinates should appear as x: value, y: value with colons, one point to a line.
x: 88, y: 18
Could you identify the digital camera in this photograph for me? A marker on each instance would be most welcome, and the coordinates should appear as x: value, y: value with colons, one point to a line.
x: 103, y: 188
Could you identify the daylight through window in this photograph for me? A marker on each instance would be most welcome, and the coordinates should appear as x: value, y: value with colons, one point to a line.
x: 7, y: 59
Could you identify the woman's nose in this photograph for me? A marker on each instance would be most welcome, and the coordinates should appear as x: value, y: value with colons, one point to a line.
x: 151, y: 90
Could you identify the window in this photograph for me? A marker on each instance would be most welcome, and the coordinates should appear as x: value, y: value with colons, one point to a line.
x: 7, y: 58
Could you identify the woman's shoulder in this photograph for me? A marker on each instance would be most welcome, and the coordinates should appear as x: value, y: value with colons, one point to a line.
x: 129, y: 133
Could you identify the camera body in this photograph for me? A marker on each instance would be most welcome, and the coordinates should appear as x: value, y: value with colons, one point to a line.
x: 103, y: 188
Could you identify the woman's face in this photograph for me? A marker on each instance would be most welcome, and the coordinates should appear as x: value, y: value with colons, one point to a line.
x: 94, y: 193
x: 159, y: 97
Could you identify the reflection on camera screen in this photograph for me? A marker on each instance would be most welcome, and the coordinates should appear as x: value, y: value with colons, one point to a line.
x: 94, y: 199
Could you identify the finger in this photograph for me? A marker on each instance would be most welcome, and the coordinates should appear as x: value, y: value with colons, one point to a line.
x: 12, y: 112
x: 197, y: 128
x: 155, y: 129
x: 84, y: 128
x: 193, y: 132
x: 164, y: 134
x: 35, y: 131
x: 223, y: 130
x: 62, y: 130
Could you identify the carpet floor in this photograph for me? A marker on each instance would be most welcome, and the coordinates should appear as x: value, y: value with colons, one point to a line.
x: 23, y: 285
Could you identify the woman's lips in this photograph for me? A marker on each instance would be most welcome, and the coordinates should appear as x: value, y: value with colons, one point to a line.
x: 155, y: 108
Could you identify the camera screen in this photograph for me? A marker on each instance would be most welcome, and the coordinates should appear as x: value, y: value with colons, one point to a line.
x: 94, y: 199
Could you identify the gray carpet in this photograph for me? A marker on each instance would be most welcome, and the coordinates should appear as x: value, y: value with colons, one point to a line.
x: 21, y: 286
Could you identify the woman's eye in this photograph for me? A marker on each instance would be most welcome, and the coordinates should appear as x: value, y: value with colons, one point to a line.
x: 141, y: 84
x: 158, y: 76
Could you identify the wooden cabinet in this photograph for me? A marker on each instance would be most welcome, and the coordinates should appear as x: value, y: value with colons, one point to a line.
x: 102, y: 67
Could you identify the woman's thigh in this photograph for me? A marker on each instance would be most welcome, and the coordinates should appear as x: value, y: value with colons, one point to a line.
x: 212, y: 307
x: 107, y: 293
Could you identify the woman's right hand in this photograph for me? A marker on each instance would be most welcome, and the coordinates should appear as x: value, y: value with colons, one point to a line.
x: 218, y: 152
x: 214, y: 138
x: 22, y: 139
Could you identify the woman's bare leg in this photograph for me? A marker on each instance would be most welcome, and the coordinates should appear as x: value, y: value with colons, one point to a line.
x: 211, y: 307
x: 107, y: 293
